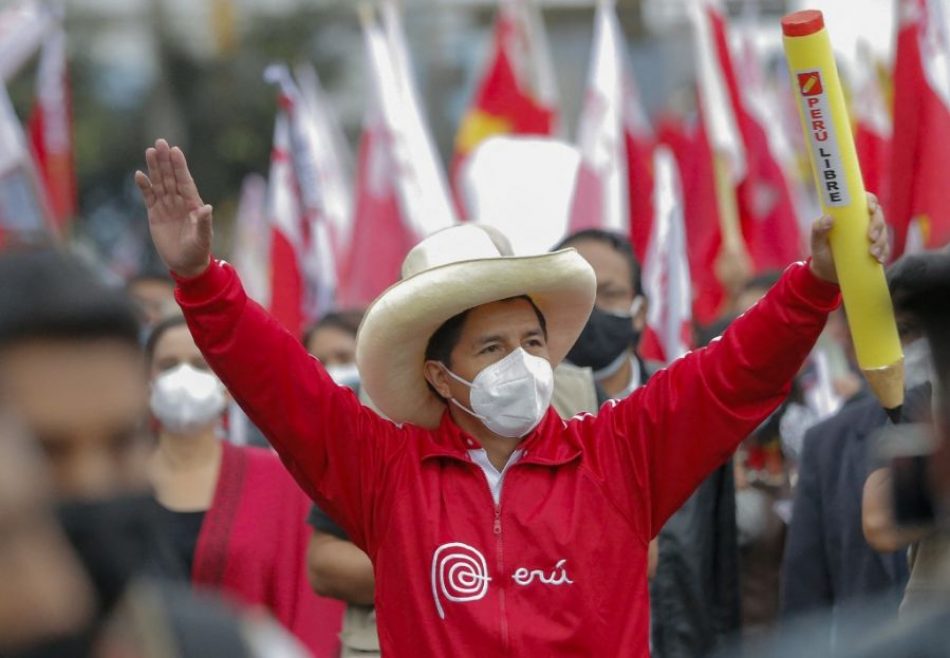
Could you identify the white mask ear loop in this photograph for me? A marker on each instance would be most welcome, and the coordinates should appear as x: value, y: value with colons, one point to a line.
x: 456, y: 402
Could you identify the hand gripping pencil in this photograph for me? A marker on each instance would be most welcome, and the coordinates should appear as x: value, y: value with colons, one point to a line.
x: 840, y: 188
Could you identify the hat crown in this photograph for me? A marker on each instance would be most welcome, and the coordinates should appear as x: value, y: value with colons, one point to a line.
x: 455, y: 244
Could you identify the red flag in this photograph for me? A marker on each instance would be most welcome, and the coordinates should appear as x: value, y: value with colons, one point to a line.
x: 872, y: 126
x: 766, y: 213
x: 51, y: 130
x: 401, y: 192
x: 693, y: 153
x: 287, y: 234
x: 920, y: 195
x: 666, y: 279
x: 614, y: 188
x: 516, y: 93
x: 314, y: 245
x: 381, y: 239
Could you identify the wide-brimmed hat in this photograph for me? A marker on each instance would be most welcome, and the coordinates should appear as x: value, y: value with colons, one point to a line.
x: 449, y: 272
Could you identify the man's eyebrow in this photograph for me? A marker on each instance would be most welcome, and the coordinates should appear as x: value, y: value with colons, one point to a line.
x: 533, y: 332
x: 484, y: 340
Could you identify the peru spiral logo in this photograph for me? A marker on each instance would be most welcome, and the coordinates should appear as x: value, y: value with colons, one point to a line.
x: 459, y: 574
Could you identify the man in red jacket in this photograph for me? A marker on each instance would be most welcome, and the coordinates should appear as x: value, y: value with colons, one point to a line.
x: 495, y: 528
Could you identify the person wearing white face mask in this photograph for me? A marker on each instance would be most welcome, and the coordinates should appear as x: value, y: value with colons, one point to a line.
x: 235, y: 518
x: 333, y: 341
x: 495, y: 527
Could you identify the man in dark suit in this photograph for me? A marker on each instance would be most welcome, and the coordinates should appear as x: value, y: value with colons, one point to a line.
x: 827, y: 561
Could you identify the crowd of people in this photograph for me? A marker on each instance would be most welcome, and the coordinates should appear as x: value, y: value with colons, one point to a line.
x: 480, y: 463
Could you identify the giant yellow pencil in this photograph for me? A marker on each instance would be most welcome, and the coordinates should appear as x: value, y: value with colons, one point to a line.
x: 837, y: 175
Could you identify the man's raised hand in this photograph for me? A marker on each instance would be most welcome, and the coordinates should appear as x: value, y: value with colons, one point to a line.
x: 179, y: 221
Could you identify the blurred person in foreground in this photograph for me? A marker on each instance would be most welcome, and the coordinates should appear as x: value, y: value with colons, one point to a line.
x: 495, y: 527
x: 234, y: 517
x: 72, y: 374
x: 161, y: 619
x: 828, y: 563
x: 928, y: 544
x: 693, y: 563
x: 71, y: 371
x: 44, y: 592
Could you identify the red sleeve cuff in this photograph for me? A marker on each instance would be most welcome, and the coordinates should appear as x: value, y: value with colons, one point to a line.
x: 822, y: 294
x: 203, y: 287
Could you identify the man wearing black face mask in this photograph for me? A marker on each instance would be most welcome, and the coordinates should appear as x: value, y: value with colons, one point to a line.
x: 608, y: 342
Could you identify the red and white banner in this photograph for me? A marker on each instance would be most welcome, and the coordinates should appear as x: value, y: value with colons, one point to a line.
x: 315, y: 244
x: 614, y: 186
x: 288, y: 234
x: 690, y: 146
x: 517, y: 92
x: 420, y: 176
x: 401, y: 195
x: 24, y: 213
x: 666, y: 279
x: 333, y: 161
x: 920, y: 196
x: 872, y: 126
x: 766, y: 212
x: 51, y: 130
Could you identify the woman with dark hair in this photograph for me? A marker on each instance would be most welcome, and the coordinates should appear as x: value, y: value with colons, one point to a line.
x: 235, y: 516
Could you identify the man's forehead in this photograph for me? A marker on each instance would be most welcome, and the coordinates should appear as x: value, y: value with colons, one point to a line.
x: 607, y: 262
x: 509, y: 315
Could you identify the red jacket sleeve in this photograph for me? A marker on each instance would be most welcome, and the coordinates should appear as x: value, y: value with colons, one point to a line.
x: 657, y: 445
x: 335, y: 448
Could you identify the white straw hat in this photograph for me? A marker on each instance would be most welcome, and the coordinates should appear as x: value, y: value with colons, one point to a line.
x: 449, y: 272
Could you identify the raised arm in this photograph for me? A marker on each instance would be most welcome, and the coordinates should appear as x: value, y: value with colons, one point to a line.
x: 334, y: 447
x: 690, y: 417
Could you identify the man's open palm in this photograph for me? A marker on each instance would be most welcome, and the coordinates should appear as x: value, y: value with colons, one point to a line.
x: 179, y: 221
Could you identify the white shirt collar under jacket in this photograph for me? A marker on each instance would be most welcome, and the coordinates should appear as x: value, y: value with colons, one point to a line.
x: 495, y: 477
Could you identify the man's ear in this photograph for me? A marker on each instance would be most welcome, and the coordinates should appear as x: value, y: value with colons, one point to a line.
x: 435, y: 375
x: 639, y: 314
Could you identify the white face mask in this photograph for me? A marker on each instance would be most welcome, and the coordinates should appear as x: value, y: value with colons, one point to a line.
x: 511, y: 396
x: 345, y: 375
x: 185, y: 399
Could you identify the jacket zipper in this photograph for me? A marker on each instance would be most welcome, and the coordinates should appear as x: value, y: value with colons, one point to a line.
x: 501, y: 571
x: 499, y: 549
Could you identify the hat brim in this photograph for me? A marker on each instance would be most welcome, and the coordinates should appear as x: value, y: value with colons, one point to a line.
x: 396, y: 329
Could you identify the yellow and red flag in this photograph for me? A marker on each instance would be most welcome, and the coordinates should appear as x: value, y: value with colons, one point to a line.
x: 516, y: 94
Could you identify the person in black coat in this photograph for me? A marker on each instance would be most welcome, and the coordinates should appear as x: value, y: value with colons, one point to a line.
x: 827, y: 561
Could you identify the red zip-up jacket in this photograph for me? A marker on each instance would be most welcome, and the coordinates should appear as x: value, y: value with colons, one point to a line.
x: 558, y: 567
